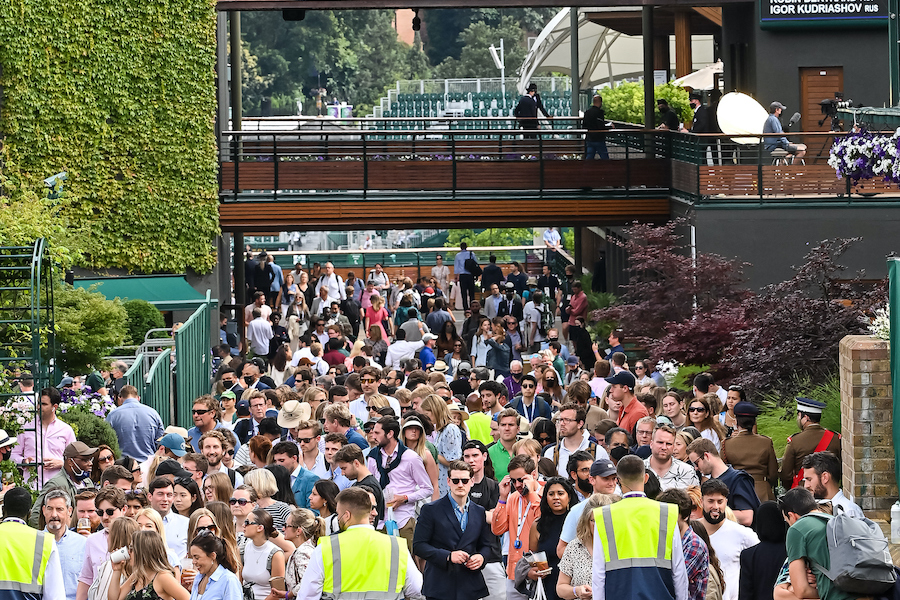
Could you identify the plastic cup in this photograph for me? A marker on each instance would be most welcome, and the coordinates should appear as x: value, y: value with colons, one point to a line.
x: 539, y: 561
x: 84, y: 525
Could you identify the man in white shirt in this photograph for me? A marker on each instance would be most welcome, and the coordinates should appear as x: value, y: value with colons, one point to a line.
x: 727, y: 537
x: 212, y: 446
x: 672, y: 473
x: 572, y: 438
x: 162, y: 495
x: 400, y: 350
x: 821, y: 476
x: 333, y: 282
x: 259, y: 301
x: 369, y: 380
x: 259, y: 332
x: 533, y: 315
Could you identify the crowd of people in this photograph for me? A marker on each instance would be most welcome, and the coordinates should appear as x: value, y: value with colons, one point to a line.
x: 451, y: 461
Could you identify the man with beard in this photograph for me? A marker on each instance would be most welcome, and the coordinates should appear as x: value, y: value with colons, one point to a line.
x: 352, y: 464
x: 603, y: 480
x: 396, y: 465
x: 57, y: 512
x: 742, y: 498
x: 672, y: 472
x: 822, y: 476
x: 579, y: 468
x: 728, y: 538
x: 212, y: 446
x: 572, y: 438
x: 78, y: 460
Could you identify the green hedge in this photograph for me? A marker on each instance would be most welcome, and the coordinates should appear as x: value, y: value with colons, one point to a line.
x: 122, y: 96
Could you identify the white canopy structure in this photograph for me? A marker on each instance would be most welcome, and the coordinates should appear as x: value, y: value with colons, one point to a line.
x: 605, y: 56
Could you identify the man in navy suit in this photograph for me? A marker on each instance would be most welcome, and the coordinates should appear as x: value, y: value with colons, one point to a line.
x: 453, y: 537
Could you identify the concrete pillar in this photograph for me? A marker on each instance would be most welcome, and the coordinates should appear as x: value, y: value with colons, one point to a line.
x: 574, y: 63
x: 866, y: 424
x: 649, y: 93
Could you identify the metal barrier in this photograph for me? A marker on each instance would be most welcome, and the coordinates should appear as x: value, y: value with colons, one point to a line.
x: 136, y: 375
x: 158, y: 387
x: 193, y: 364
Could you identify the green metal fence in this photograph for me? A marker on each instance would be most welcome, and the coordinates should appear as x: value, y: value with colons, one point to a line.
x: 193, y: 367
x: 136, y: 375
x: 158, y: 387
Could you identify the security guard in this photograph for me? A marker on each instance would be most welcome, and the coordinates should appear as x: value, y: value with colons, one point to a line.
x: 30, y: 568
x: 755, y: 454
x: 637, y: 545
x: 359, y: 563
x: 812, y: 438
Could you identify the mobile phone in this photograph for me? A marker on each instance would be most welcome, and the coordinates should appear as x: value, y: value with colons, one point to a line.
x: 525, y: 490
x: 277, y: 583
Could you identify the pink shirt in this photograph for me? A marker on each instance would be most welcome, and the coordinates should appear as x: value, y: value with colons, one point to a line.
x: 57, y: 435
x: 409, y: 479
x: 96, y: 551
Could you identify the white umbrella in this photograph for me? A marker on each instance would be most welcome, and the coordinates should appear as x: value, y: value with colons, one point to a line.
x: 739, y: 114
x: 704, y: 79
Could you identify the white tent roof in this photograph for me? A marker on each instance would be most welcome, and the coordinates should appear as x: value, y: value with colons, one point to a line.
x: 605, y: 56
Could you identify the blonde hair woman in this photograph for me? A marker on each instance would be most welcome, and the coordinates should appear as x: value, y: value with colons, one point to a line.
x: 303, y: 529
x: 412, y: 433
x: 205, y: 520
x: 448, y: 437
x: 263, y: 483
x: 151, y: 576
x: 217, y: 487
x: 377, y: 314
x: 575, y: 573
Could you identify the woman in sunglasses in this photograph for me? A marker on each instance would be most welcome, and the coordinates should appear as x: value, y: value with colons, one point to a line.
x: 215, y: 569
x: 262, y: 559
x: 104, y: 458
x: 242, y: 502
x: 700, y: 415
x: 205, y: 521
x: 303, y: 529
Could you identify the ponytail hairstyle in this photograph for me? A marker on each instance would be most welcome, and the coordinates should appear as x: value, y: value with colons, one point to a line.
x: 265, y: 519
x: 308, y: 523
x: 210, y: 543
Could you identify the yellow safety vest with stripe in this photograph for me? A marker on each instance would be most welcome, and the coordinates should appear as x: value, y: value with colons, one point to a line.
x: 361, y: 563
x: 24, y: 561
x: 637, y: 535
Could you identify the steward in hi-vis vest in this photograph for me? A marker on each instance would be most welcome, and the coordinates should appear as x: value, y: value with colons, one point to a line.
x: 29, y: 568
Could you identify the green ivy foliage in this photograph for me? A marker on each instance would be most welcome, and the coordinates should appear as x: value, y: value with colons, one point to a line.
x: 625, y: 102
x: 121, y: 95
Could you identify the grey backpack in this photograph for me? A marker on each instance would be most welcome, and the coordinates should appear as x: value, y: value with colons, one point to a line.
x: 860, y: 561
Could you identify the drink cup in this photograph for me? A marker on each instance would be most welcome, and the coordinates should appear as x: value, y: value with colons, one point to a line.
x: 539, y: 560
x: 120, y: 555
x: 84, y: 525
x: 388, y: 496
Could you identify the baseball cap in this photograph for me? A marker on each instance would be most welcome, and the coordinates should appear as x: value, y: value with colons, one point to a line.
x: 695, y: 95
x: 78, y: 449
x: 603, y: 468
x: 775, y: 105
x: 428, y: 337
x: 622, y: 378
x: 573, y: 361
x: 171, y: 467
x: 429, y: 290
x: 176, y: 429
x: 243, y: 408
x: 65, y: 382
x: 173, y: 442
x: 227, y: 394
x: 463, y: 367
x: 293, y: 412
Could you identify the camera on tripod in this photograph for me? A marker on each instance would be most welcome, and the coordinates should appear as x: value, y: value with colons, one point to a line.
x: 830, y: 107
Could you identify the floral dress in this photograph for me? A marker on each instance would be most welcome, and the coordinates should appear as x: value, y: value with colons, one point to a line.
x: 296, y: 566
x: 449, y: 445
x: 576, y: 562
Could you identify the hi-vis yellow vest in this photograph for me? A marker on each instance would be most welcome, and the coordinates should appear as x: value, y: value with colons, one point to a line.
x: 637, y: 535
x: 24, y: 560
x: 361, y: 563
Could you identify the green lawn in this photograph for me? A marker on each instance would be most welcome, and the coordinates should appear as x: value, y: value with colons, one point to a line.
x: 772, y: 423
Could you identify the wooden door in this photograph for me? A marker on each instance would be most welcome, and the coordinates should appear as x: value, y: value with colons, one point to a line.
x: 816, y: 84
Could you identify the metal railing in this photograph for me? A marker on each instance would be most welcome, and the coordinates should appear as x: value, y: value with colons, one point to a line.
x: 158, y: 387
x: 193, y: 364
x: 741, y: 170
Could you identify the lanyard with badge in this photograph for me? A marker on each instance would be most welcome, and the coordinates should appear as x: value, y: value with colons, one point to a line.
x: 522, y: 516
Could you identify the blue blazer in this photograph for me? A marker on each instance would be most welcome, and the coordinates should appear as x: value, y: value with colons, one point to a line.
x: 437, y: 535
x: 303, y: 486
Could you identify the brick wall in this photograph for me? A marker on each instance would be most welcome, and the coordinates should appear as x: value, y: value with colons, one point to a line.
x: 866, y: 424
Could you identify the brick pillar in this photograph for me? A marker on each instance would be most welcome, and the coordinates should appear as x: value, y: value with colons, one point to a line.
x: 866, y: 424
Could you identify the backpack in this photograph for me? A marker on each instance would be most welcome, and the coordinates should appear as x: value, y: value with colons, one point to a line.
x: 860, y: 561
x: 472, y: 265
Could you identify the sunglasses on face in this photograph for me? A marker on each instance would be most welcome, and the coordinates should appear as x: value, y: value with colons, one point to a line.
x: 241, y: 501
x: 205, y: 529
x: 200, y: 412
x: 305, y: 440
x: 527, y: 386
x: 696, y: 409
x: 367, y: 380
x: 249, y: 522
x: 459, y: 480
x: 109, y: 512
x: 230, y: 452
x: 106, y: 458
x: 517, y: 480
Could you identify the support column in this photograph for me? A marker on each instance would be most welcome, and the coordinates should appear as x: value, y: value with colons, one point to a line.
x: 221, y: 75
x: 894, y: 49
x: 575, y: 105
x: 683, y: 51
x: 649, y: 99
x: 236, y: 104
x: 240, y: 291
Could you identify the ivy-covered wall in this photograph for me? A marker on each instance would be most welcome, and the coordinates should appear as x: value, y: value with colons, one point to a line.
x: 121, y: 94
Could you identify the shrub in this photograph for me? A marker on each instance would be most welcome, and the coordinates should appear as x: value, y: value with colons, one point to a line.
x: 142, y: 317
x: 625, y: 102
x: 92, y: 430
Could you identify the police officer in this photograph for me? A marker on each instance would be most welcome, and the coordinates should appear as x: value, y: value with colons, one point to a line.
x: 30, y: 567
x: 812, y: 438
x: 755, y: 454
x: 631, y: 558
x: 359, y: 562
